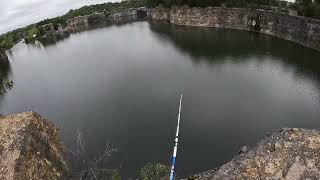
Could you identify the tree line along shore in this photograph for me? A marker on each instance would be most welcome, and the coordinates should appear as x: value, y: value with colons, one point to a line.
x: 308, y: 8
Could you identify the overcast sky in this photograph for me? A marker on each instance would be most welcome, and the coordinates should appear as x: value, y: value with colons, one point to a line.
x: 19, y: 13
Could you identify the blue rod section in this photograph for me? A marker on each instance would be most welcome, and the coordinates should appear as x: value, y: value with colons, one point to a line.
x: 174, y: 155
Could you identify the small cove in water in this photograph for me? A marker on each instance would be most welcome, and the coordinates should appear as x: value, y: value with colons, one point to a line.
x: 122, y: 85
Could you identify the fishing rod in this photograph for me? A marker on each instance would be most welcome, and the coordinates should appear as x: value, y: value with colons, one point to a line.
x: 174, y: 155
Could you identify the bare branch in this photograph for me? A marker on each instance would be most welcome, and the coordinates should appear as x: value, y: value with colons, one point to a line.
x: 106, y: 153
x: 95, y: 177
x: 108, y: 170
x: 80, y: 144
x: 83, y: 173
x: 91, y: 168
x: 75, y: 154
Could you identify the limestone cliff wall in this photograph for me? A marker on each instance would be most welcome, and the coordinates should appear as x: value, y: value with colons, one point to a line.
x: 302, y: 30
x: 289, y: 153
x: 30, y: 148
x: 133, y: 13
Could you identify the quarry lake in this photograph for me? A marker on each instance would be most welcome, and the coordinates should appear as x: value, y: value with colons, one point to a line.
x: 121, y: 85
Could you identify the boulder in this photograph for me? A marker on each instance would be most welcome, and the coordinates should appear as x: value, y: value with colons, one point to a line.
x: 30, y: 148
x: 289, y: 153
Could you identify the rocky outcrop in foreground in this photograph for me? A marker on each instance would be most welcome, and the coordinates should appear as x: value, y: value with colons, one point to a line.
x: 30, y: 148
x: 301, y: 30
x: 286, y: 154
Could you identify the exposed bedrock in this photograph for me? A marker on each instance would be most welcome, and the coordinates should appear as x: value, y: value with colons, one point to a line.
x: 30, y: 148
x: 302, y: 30
x: 289, y: 153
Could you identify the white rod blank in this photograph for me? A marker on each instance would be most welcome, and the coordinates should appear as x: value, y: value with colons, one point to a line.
x: 174, y: 155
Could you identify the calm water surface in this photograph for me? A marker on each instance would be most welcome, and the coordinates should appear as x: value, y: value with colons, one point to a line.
x: 122, y: 84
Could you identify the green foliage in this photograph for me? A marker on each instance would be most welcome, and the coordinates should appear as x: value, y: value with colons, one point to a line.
x: 308, y: 8
x: 7, y: 42
x: 41, y: 31
x: 31, y: 35
x: 152, y: 3
x: 116, y: 175
x: 303, y: 7
x: 86, y: 10
x: 155, y: 172
x: 237, y: 3
x: 5, y: 86
x: 304, y: 2
x: 203, y: 3
x: 55, y: 21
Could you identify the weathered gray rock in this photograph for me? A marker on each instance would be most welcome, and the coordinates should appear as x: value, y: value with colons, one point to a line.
x: 302, y: 30
x: 30, y: 148
x: 286, y: 154
x: 132, y: 13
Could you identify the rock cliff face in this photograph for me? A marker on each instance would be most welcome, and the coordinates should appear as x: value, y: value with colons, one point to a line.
x: 30, y: 148
x: 302, y: 30
x: 3, y: 56
x: 133, y: 13
x: 286, y: 154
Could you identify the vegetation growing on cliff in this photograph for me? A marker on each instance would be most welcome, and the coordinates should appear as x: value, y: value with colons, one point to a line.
x: 154, y: 171
x: 7, y: 42
x: 5, y: 86
x: 203, y: 3
x: 8, y: 39
x: 306, y: 8
x: 31, y: 34
x: 93, y: 168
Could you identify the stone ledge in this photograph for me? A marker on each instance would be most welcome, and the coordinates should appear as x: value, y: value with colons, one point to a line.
x: 30, y: 148
x: 301, y: 30
x: 288, y: 153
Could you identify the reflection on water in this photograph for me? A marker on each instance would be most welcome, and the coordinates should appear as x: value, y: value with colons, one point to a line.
x: 52, y: 40
x: 4, y: 70
x: 5, y: 83
x: 216, y: 44
x: 122, y: 84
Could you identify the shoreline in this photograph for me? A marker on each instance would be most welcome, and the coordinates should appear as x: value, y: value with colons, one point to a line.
x: 297, y: 29
x: 287, y: 153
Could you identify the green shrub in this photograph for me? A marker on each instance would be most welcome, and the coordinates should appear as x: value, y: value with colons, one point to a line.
x: 116, y: 175
x: 31, y: 35
x: 155, y: 172
x: 236, y: 3
x: 7, y: 42
x: 5, y: 86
